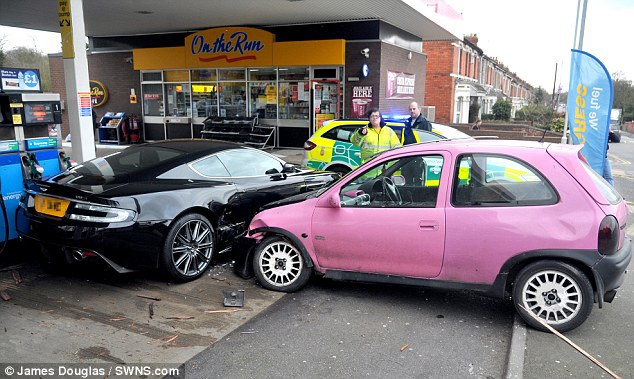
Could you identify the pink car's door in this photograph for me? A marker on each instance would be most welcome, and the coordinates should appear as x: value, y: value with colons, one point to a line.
x: 385, y: 228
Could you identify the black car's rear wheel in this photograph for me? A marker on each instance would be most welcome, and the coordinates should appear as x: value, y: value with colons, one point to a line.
x: 555, y: 292
x: 188, y: 248
x: 279, y: 266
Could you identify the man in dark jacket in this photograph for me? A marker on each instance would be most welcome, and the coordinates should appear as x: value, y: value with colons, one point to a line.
x: 416, y: 121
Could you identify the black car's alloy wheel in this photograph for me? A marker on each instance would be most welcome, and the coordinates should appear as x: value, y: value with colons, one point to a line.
x: 188, y: 247
x: 556, y: 292
x: 279, y: 266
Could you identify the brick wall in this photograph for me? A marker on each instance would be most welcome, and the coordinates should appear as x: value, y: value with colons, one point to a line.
x: 111, y: 69
x: 56, y: 67
x: 353, y: 68
x: 383, y: 57
x: 442, y: 61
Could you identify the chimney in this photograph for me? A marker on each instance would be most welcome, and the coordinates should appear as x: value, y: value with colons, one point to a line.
x: 472, y: 38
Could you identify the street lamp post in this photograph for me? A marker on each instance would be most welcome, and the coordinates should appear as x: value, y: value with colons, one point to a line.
x: 580, y: 25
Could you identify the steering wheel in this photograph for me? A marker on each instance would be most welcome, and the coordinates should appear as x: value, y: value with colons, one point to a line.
x: 391, y: 191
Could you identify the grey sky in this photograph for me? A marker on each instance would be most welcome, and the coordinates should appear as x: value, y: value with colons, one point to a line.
x: 531, y: 36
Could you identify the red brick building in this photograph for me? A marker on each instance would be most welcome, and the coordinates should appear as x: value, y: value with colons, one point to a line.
x: 462, y: 83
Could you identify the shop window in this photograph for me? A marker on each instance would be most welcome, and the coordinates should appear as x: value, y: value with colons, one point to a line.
x: 325, y: 73
x: 293, y: 100
x: 178, y: 99
x: 204, y: 75
x: 269, y: 74
x: 152, y: 99
x: 231, y: 74
x: 293, y: 73
x: 232, y: 96
x: 176, y: 76
x: 153, y: 76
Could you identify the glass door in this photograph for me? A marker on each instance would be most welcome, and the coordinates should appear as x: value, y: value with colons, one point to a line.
x: 262, y: 82
x: 263, y: 101
x: 178, y: 100
x: 325, y: 102
x: 204, y: 100
x: 232, y: 92
x: 232, y: 99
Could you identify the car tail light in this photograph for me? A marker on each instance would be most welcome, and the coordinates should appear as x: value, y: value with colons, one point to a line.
x: 308, y: 145
x: 101, y: 214
x: 608, y: 235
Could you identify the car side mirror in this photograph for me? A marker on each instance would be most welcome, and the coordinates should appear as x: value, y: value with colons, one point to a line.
x: 275, y: 175
x: 334, y: 200
x: 288, y: 168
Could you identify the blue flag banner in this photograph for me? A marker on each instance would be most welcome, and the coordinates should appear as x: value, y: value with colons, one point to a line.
x: 590, y: 98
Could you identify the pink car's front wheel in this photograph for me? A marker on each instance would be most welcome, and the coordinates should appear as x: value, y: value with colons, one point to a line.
x: 279, y: 266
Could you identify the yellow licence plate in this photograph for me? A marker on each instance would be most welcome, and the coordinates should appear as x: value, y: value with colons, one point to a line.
x: 51, y: 206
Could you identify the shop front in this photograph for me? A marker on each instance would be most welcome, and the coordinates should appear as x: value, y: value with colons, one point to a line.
x: 241, y: 72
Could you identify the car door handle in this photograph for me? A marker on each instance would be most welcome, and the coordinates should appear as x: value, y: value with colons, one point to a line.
x: 428, y: 225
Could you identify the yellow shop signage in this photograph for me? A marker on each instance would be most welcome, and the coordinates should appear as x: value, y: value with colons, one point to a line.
x: 229, y: 47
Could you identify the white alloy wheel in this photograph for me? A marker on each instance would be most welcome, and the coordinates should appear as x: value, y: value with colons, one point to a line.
x: 556, y: 292
x: 279, y: 266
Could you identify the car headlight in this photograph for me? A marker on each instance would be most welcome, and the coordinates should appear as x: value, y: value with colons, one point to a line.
x: 98, y: 213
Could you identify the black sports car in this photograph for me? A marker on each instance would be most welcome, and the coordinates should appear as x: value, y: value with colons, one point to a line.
x: 170, y: 205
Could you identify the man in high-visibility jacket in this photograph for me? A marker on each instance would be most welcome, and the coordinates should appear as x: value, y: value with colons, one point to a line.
x: 374, y: 137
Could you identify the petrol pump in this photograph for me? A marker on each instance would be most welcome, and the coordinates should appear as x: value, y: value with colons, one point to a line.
x: 30, y: 147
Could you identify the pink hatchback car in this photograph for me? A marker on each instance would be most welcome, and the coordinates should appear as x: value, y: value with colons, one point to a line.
x: 521, y: 220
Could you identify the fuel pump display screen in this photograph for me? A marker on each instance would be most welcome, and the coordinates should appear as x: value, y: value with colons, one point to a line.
x: 38, y: 113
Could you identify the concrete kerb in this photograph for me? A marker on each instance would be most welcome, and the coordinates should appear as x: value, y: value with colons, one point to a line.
x: 515, y: 357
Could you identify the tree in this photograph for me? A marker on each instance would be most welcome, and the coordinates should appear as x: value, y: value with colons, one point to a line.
x: 540, y: 96
x: 538, y: 114
x: 623, y: 95
x: 502, y: 110
x: 557, y: 125
x: 26, y: 57
x: 2, y: 54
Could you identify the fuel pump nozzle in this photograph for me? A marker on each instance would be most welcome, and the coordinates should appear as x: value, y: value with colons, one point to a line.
x: 67, y: 161
x: 35, y: 170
